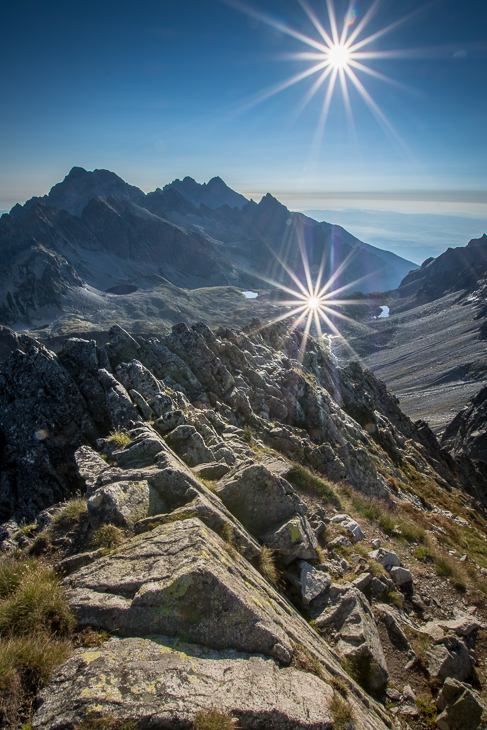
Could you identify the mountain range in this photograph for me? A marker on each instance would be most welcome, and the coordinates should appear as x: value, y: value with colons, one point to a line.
x: 94, y: 233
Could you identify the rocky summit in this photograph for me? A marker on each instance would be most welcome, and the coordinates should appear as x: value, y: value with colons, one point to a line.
x: 244, y: 533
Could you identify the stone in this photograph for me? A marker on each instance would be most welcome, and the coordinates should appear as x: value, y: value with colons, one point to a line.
x: 450, y: 658
x: 145, y: 411
x: 135, y: 376
x: 165, y: 683
x: 357, y: 638
x: 214, y: 470
x: 214, y: 515
x: 353, y: 527
x: 387, y: 558
x: 340, y: 541
x: 124, y: 503
x: 90, y: 466
x: 140, y: 452
x: 161, y: 404
x: 294, y: 539
x: 313, y: 582
x: 175, y: 580
x: 462, y: 626
x: 258, y: 498
x: 363, y: 581
x: 401, y: 576
x: 377, y: 586
x: 75, y: 562
x: 169, y: 421
x: 460, y: 707
x: 189, y: 446
x: 376, y: 544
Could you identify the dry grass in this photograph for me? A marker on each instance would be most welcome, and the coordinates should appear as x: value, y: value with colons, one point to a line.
x: 93, y: 721
x: 35, y: 627
x: 267, y: 566
x: 26, y: 662
x: 305, y: 479
x: 213, y: 720
x: 342, y: 713
x: 118, y: 438
x: 107, y: 536
x: 70, y: 514
x: 229, y: 540
x: 36, y: 604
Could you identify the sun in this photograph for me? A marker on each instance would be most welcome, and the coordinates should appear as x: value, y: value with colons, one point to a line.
x: 338, y: 56
x: 313, y: 302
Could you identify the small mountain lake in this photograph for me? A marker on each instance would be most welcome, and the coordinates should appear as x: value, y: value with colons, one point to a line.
x: 250, y: 294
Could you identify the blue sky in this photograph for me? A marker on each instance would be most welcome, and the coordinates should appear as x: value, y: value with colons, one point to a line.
x: 156, y: 90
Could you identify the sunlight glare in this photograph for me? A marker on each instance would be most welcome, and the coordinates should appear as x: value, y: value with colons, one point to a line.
x: 338, y: 56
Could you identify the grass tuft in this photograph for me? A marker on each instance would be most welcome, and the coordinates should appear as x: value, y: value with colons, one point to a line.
x: 359, y: 668
x: 93, y: 721
x: 35, y: 625
x: 70, y: 514
x: 248, y: 436
x: 342, y: 713
x: 304, y: 478
x: 119, y: 438
x: 26, y: 663
x: 213, y: 720
x: 107, y: 536
x: 37, y: 604
x: 267, y: 566
x: 412, y: 532
x: 340, y: 686
x: 229, y: 539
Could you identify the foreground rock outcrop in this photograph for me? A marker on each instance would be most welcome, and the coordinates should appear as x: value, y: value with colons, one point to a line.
x: 192, y: 449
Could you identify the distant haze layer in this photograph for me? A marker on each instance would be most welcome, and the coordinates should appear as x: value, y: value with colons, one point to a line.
x: 413, y: 236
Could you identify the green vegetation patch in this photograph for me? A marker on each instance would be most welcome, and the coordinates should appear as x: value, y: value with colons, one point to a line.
x: 35, y: 629
x: 342, y: 713
x: 267, y: 566
x: 119, y: 438
x: 305, y: 479
x: 107, y: 536
x: 70, y: 514
x: 213, y: 720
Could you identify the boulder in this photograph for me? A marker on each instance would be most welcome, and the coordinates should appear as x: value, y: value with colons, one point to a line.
x: 169, y: 421
x: 140, y: 452
x: 214, y: 516
x: 387, y: 558
x: 460, y: 707
x: 294, y: 539
x: 190, y: 446
x: 164, y: 683
x: 90, y: 466
x: 135, y: 376
x: 449, y: 658
x: 401, y: 576
x: 176, y: 580
x: 258, y: 498
x: 313, y: 582
x: 124, y: 503
x: 161, y: 404
x: 357, y: 638
x: 145, y: 411
x: 214, y: 470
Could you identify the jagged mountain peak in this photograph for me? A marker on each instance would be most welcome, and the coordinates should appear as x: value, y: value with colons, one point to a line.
x: 213, y: 194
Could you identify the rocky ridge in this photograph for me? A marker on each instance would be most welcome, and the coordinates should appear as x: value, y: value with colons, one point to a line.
x: 211, y: 437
